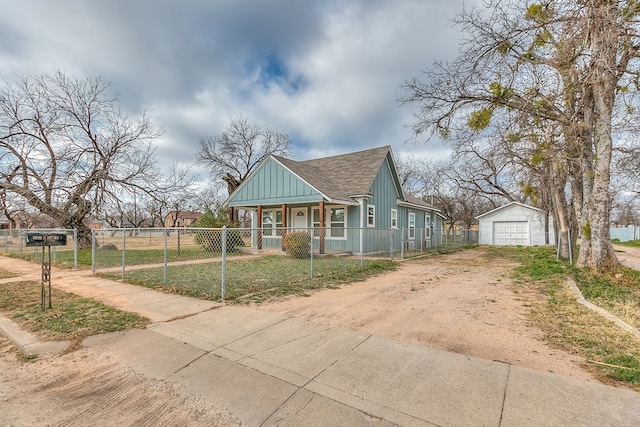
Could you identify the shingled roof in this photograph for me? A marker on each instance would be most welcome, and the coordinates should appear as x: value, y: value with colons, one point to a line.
x: 343, y: 176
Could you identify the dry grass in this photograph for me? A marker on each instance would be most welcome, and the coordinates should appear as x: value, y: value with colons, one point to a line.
x: 71, y: 317
x: 4, y: 274
x: 612, y: 354
x: 617, y: 292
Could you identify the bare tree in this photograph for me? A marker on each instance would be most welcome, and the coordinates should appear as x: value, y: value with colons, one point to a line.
x: 438, y: 182
x: 559, y: 63
x: 626, y: 212
x: 232, y: 155
x: 66, y: 147
x: 211, y: 198
x: 175, y: 191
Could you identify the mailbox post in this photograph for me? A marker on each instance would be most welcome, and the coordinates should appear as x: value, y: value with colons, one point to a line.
x: 46, y: 240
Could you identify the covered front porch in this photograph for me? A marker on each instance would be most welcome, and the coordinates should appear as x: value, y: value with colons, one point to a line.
x: 327, y: 223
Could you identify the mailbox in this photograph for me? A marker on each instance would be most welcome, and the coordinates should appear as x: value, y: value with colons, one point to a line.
x: 46, y: 239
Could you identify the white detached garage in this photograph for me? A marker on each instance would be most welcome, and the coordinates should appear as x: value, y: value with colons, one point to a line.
x: 514, y: 224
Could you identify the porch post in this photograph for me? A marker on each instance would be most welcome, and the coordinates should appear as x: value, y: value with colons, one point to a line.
x: 322, y: 230
x: 284, y: 223
x: 230, y: 213
x: 259, y: 227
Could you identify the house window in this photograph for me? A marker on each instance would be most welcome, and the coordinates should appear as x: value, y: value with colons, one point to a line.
x: 427, y: 226
x: 394, y: 218
x: 272, y: 223
x: 371, y: 216
x: 412, y: 225
x: 336, y: 224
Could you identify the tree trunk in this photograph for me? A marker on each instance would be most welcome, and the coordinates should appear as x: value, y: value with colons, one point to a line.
x: 596, y: 250
x: 84, y: 233
x: 84, y: 237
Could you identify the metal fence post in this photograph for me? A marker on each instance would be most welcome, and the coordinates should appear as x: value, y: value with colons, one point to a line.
x: 165, y: 269
x: 402, y: 243
x: 93, y: 251
x: 124, y: 247
x: 20, y: 237
x: 361, y: 247
x: 570, y: 249
x: 75, y: 247
x: 223, y: 290
x: 391, y: 244
x: 311, y: 252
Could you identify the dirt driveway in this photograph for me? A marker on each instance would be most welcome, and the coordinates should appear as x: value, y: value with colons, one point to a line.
x: 462, y: 302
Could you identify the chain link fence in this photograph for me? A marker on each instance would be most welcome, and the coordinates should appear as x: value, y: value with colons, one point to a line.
x: 13, y: 243
x: 231, y: 263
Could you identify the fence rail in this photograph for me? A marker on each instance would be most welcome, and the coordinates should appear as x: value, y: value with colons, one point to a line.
x: 12, y: 242
x: 229, y: 262
x: 224, y: 263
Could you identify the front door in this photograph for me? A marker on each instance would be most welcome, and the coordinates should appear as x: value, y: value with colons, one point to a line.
x: 299, y: 217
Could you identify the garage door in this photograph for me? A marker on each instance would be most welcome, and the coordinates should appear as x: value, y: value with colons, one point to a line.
x: 511, y: 233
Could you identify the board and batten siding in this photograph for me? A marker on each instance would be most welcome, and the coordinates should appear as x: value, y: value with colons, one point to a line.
x: 385, y: 196
x: 272, y: 185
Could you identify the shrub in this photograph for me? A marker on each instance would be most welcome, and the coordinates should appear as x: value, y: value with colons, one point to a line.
x: 211, y: 239
x: 297, y: 244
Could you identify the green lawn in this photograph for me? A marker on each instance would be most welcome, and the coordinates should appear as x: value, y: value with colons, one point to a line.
x: 256, y: 278
x: 631, y: 243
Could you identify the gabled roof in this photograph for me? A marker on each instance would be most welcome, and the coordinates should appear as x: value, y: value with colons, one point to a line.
x: 419, y: 203
x: 343, y: 176
x: 342, y: 179
x: 507, y: 206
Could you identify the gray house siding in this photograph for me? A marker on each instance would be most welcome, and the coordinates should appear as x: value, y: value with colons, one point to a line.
x: 352, y: 181
x: 385, y: 196
x: 272, y: 185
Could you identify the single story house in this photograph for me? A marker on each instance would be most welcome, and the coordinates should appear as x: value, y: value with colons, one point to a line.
x: 514, y: 224
x: 181, y: 218
x: 351, y: 201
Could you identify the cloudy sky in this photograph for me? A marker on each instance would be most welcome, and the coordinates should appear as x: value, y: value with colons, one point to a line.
x: 327, y: 72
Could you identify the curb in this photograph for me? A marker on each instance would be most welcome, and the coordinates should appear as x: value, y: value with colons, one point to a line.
x: 604, y: 313
x: 26, y: 343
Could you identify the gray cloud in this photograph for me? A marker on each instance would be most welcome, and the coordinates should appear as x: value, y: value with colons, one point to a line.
x: 326, y: 72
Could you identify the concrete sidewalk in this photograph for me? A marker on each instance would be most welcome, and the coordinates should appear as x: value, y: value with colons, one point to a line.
x: 268, y: 369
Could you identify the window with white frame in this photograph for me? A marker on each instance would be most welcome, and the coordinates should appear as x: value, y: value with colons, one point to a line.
x: 427, y: 226
x: 371, y: 216
x: 336, y: 222
x: 412, y: 226
x: 272, y: 223
x: 394, y: 218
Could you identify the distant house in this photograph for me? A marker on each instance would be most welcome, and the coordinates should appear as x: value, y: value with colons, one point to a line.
x: 337, y: 196
x: 96, y: 224
x: 514, y: 224
x: 181, y: 218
